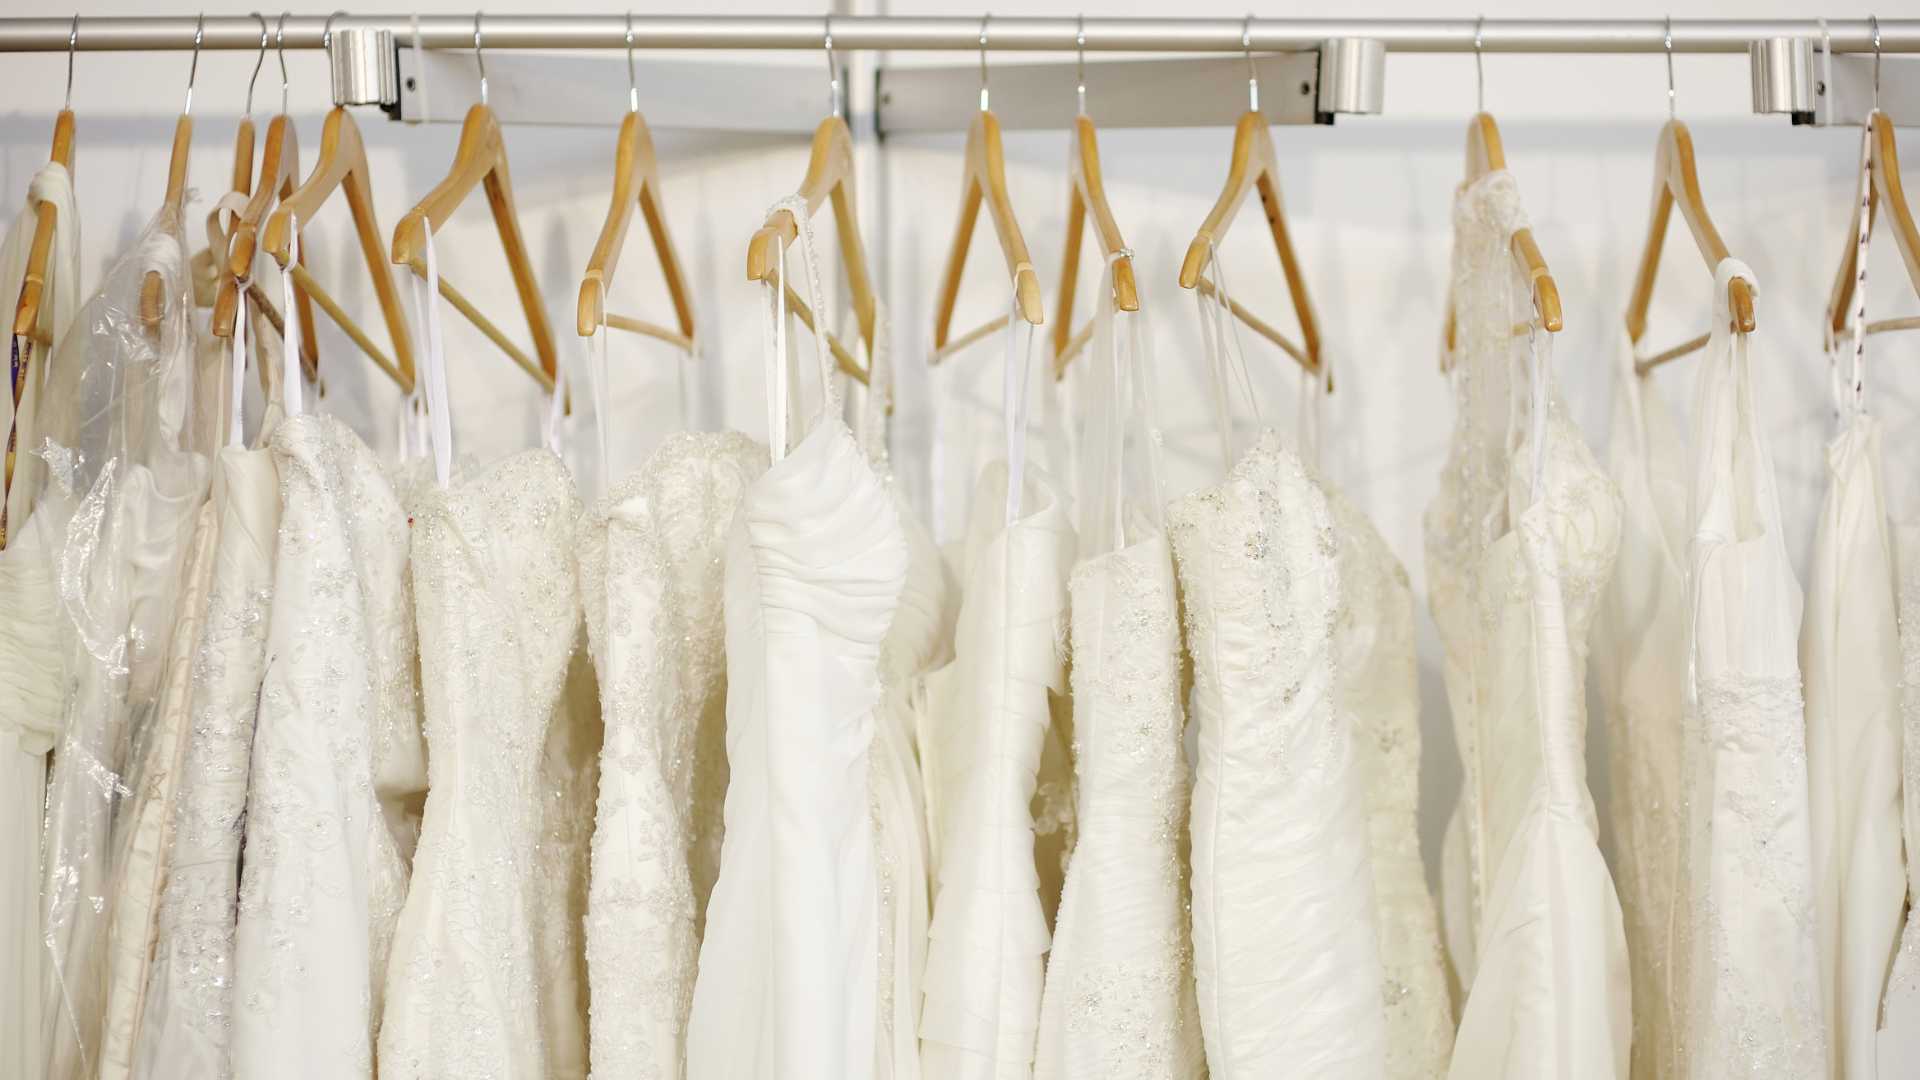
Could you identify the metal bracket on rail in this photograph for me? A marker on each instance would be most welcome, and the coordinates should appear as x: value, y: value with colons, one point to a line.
x: 1789, y: 77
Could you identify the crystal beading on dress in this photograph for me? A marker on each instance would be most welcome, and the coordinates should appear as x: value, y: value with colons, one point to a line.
x: 1286, y: 954
x: 1746, y: 965
x: 1119, y: 998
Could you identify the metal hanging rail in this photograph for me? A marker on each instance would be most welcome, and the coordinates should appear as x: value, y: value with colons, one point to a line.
x: 962, y: 33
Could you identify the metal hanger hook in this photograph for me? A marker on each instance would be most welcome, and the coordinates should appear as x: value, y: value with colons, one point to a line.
x: 1080, y: 62
x: 1671, y: 109
x: 983, y: 59
x: 1253, y: 75
x: 258, y: 62
x: 633, y: 84
x: 193, y: 70
x: 1875, y: 21
x: 73, y: 45
x: 833, y: 69
x: 280, y: 46
x: 1479, y: 67
x: 479, y: 58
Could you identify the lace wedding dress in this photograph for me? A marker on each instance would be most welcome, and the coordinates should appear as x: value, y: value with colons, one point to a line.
x: 1379, y: 694
x: 335, y: 756
x: 1518, y: 570
x: 651, y: 573
x: 1640, y: 666
x: 788, y: 971
x: 471, y: 987
x: 126, y: 482
x: 186, y: 1016
x: 1850, y: 660
x: 1746, y: 955
x: 30, y: 659
x: 1118, y: 999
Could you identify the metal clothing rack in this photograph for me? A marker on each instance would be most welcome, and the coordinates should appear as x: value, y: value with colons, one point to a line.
x: 1328, y: 67
x: 962, y: 33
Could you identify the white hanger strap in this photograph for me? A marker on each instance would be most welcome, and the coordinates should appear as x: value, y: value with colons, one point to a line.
x: 426, y: 295
x: 292, y: 388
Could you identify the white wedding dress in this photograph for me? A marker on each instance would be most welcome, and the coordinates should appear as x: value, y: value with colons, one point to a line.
x: 788, y: 972
x: 1850, y: 661
x: 1002, y: 817
x: 1521, y: 542
x: 335, y: 756
x: 1118, y: 1002
x: 1640, y: 671
x: 475, y: 985
x: 919, y: 641
x: 1745, y: 960
x: 651, y: 571
x: 1899, y: 1038
x: 30, y: 659
x: 1379, y: 694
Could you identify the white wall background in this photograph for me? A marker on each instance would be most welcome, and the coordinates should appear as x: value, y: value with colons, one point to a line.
x: 1369, y: 201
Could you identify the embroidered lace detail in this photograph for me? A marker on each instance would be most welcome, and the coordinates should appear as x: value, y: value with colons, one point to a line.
x: 1902, y: 1002
x: 485, y: 977
x: 651, y: 575
x: 1750, y: 741
x: 1286, y: 957
x: 323, y: 878
x: 1379, y: 696
x: 1119, y: 999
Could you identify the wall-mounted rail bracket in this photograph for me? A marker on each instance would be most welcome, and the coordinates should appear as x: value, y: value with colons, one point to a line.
x: 1790, y: 77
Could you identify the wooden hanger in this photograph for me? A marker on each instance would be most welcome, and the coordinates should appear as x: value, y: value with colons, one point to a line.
x: 153, y: 299
x: 1255, y: 167
x: 1884, y: 192
x: 1486, y: 154
x: 26, y: 312
x: 1676, y: 183
x: 279, y: 176
x: 829, y: 179
x: 636, y: 181
x: 481, y: 161
x: 342, y: 165
x: 984, y: 179
x: 1087, y: 197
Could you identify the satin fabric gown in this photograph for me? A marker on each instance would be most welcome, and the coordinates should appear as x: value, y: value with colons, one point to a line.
x: 990, y: 727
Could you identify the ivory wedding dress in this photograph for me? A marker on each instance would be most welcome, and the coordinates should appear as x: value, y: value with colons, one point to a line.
x: 1118, y: 999
x: 30, y: 657
x: 334, y: 751
x: 1379, y: 694
x: 1286, y: 954
x: 126, y: 481
x: 1899, y: 1040
x: 990, y: 727
x: 1850, y: 660
x: 1518, y: 570
x: 651, y: 572
x: 1640, y: 663
x: 787, y: 983
x: 1746, y: 956
x: 919, y: 640
x: 470, y: 984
